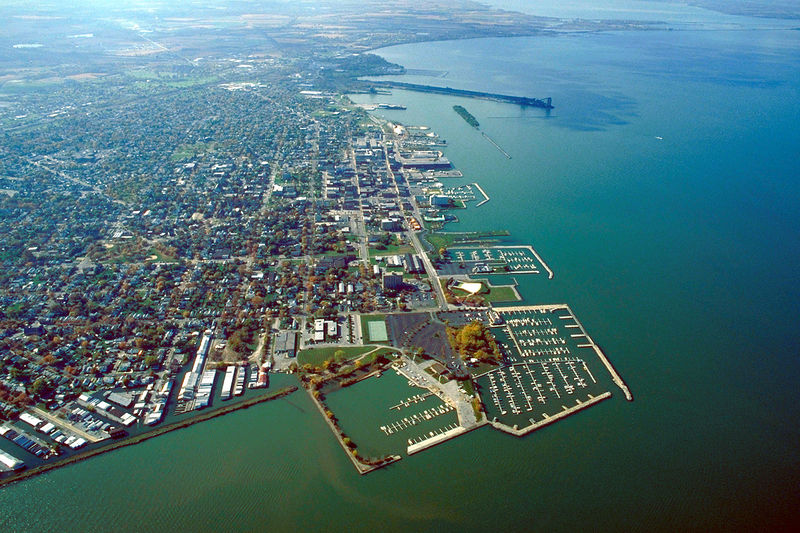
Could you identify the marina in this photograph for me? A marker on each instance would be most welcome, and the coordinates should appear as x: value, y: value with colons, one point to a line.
x: 677, y: 322
x: 525, y: 332
x: 523, y: 395
x: 500, y: 259
x: 390, y: 415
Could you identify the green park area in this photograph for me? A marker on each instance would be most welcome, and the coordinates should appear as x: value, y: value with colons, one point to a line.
x: 317, y: 356
x: 188, y: 151
x: 443, y: 240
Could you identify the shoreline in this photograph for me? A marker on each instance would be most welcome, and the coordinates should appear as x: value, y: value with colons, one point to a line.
x: 130, y: 441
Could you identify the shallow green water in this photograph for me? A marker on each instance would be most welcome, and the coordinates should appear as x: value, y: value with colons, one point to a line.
x: 364, y: 408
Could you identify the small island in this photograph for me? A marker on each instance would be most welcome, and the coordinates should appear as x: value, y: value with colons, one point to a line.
x: 466, y: 115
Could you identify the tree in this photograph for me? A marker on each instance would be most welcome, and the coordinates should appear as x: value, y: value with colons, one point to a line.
x: 40, y: 387
x: 474, y: 340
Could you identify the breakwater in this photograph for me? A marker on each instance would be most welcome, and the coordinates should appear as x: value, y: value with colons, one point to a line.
x: 485, y: 196
x: 549, y: 419
x: 361, y: 467
x: 46, y: 467
x: 494, y: 143
x: 544, y: 103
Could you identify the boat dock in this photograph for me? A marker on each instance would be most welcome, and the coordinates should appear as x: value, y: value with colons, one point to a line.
x: 413, y: 420
x: 537, y: 424
x: 413, y: 399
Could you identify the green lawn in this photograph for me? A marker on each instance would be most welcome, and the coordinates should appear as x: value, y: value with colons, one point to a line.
x: 445, y: 240
x: 504, y: 293
x: 392, y: 249
x: 317, y: 356
x: 187, y: 151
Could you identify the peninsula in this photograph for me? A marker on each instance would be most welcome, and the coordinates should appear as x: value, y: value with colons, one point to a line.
x: 229, y: 225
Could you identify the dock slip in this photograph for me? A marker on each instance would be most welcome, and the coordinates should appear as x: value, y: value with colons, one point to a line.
x: 546, y: 103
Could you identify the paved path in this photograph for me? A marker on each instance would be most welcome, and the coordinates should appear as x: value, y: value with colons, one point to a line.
x: 66, y: 425
x: 448, y: 392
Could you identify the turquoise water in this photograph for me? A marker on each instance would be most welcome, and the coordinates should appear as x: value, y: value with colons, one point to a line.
x: 679, y: 255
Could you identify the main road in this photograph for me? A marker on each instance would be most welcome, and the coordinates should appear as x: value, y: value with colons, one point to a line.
x: 433, y: 277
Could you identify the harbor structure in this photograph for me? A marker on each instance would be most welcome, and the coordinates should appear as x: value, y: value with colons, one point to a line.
x: 544, y: 103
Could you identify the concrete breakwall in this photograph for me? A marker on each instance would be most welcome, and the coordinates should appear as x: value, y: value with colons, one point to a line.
x: 545, y: 103
x: 550, y: 419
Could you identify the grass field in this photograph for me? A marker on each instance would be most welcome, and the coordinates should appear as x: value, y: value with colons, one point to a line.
x: 317, y: 356
x: 444, y: 240
x: 392, y: 249
x: 187, y: 151
x: 503, y: 293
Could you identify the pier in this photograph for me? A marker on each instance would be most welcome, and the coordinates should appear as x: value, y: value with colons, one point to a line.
x: 437, y: 439
x: 588, y: 344
x: 485, y: 196
x: 546, y: 103
x: 494, y: 143
x: 550, y: 419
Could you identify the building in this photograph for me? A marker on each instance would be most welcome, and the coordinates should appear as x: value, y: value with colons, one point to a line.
x: 438, y: 200
x: 413, y: 264
x: 35, y: 329
x: 392, y: 282
x: 286, y: 343
x: 10, y: 462
x: 390, y: 225
x: 332, y: 329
